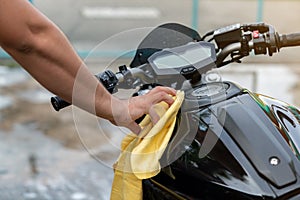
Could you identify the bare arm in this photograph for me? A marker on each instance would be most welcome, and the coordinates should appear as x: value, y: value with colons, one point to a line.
x: 39, y: 46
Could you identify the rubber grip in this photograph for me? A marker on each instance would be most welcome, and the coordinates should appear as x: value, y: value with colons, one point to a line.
x: 290, y: 40
x: 58, y: 103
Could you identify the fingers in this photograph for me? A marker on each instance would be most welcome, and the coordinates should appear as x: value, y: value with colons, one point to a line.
x: 154, y: 116
x: 155, y: 96
x: 126, y: 112
x: 159, y: 94
x: 167, y: 90
x: 134, y: 127
x: 130, y: 124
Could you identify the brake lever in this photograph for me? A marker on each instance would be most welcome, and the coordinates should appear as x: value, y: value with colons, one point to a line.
x: 261, y: 27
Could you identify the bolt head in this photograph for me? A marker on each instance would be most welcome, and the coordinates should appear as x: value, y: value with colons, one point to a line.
x: 274, y: 161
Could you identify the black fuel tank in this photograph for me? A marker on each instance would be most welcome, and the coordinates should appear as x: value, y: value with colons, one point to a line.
x: 236, y: 150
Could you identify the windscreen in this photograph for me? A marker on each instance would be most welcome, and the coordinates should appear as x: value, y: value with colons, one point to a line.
x: 165, y: 36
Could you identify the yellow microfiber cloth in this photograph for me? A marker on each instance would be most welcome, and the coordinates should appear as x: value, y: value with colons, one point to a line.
x: 140, y: 154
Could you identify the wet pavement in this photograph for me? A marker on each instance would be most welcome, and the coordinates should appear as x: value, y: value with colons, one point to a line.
x: 34, y: 166
x: 5, y: 102
x: 41, y: 156
x: 11, y: 76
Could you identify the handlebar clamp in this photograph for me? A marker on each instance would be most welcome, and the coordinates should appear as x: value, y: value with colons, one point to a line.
x: 108, y: 80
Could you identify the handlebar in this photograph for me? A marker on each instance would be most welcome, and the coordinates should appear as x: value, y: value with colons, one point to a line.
x: 125, y: 77
x: 58, y: 103
x: 235, y: 40
x: 226, y: 51
x: 289, y: 40
x: 238, y: 40
x: 108, y: 79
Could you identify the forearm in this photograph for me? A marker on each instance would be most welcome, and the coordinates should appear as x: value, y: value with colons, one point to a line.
x: 50, y: 60
x: 44, y: 51
x: 54, y: 64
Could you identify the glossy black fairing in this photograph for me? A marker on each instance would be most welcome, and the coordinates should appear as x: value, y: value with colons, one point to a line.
x: 238, y: 152
x: 285, y: 117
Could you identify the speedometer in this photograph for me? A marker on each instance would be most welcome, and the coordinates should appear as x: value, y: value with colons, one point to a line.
x: 184, y: 60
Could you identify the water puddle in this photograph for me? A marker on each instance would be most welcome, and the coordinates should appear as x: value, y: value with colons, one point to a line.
x: 36, y: 96
x: 12, y: 76
x: 5, y: 102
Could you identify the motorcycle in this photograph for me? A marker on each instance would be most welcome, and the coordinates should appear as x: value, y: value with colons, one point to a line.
x: 228, y: 142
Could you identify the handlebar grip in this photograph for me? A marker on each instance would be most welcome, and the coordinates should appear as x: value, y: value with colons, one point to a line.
x: 108, y: 79
x: 290, y: 40
x: 58, y: 103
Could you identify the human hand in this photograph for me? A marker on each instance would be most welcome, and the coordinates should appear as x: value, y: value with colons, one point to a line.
x: 125, y: 112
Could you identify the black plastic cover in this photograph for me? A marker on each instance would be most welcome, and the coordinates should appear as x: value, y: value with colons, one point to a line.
x: 263, y: 150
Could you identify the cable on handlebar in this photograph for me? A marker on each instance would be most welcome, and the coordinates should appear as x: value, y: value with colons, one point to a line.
x: 225, y: 52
